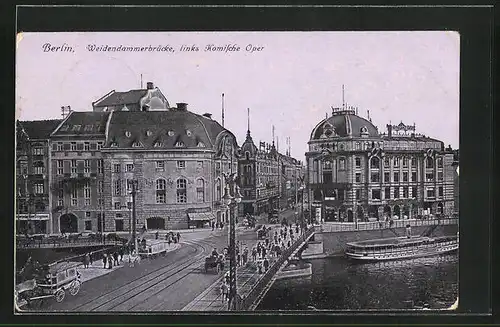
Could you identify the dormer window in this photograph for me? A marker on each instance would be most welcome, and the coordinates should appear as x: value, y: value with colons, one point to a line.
x: 136, y: 144
x: 113, y: 145
x: 64, y: 128
x: 157, y: 144
x: 200, y: 145
x: 171, y: 133
x: 188, y: 133
x: 149, y: 133
x: 179, y: 144
x: 128, y: 134
x: 76, y: 128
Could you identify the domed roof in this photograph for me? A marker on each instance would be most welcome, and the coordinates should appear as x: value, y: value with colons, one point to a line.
x: 162, y: 129
x: 343, y: 123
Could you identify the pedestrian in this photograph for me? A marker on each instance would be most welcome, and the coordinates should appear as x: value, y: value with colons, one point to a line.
x: 266, y: 264
x: 267, y: 242
x: 169, y: 240
x: 227, y: 277
x: 245, y: 255
x: 104, y: 260
x: 254, y: 254
x: 297, y: 229
x: 110, y: 261
x: 91, y: 258
x: 213, y: 225
x: 86, y: 260
x: 115, y: 257
x: 288, y: 244
x: 225, y: 291
x: 121, y: 251
x: 156, y: 235
x: 178, y: 237
x: 221, y: 225
x: 264, y: 250
x: 259, y: 266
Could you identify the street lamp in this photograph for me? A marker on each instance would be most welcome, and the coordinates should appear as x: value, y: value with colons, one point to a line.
x: 134, y: 227
x: 231, y: 202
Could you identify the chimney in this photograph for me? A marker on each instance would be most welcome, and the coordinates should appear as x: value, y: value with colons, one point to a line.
x: 149, y: 85
x: 181, y: 106
x: 208, y: 115
x: 389, y: 130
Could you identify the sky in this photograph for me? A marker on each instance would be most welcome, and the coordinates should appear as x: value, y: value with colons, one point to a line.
x: 291, y: 82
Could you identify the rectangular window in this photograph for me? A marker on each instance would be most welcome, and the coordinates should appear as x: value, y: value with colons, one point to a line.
x: 181, y: 164
x: 99, y: 145
x: 99, y: 166
x: 440, y: 190
x: 86, y: 146
x: 358, y: 162
x: 413, y: 162
x: 37, y: 151
x: 181, y: 191
x: 431, y: 193
x: 387, y: 162
x: 440, y: 162
x: 129, y: 184
x: 117, y: 168
x: 376, y: 194
x: 118, y: 205
x: 387, y: 192
x: 38, y: 170
x: 86, y: 168
x: 440, y: 175
x: 405, y: 176
x: 327, y: 177
x: 396, y: 192
x: 160, y: 166
x: 74, y: 167
x: 87, y: 214
x: 60, y: 202
x: 60, y: 167
x: 74, y: 202
x: 73, y: 146
x: 358, y: 194
x: 414, y: 176
x: 405, y: 162
x: 414, y: 191
x: 375, y: 177
x: 100, y: 186
x: 118, y: 187
x: 88, y: 225
x: 100, y: 202
x: 119, y: 225
x: 87, y: 202
x: 396, y: 162
x: 38, y: 188
x: 130, y: 167
x: 387, y: 177
x: 429, y: 177
x: 396, y: 177
x: 86, y: 192
x: 405, y: 192
x: 129, y: 205
x: 358, y: 177
x: 60, y: 146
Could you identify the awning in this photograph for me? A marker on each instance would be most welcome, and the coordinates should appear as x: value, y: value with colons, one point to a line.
x: 201, y: 216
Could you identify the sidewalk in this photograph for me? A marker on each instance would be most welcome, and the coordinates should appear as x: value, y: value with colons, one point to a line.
x: 247, y: 277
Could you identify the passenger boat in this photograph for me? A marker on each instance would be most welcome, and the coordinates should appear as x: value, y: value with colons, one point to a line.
x: 401, y: 248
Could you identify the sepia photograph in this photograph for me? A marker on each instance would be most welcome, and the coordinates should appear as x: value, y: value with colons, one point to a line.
x: 236, y: 171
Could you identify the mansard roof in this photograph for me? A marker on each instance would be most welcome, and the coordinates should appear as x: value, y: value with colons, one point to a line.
x: 83, y: 123
x: 39, y: 129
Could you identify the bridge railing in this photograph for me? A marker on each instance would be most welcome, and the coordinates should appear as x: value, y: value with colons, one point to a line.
x: 249, y: 300
x: 56, y: 242
x: 347, y: 227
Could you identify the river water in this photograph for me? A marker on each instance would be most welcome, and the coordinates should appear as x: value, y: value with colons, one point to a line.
x: 341, y: 284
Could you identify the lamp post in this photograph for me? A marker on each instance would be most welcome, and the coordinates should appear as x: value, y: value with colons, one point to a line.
x: 231, y: 202
x: 134, y: 227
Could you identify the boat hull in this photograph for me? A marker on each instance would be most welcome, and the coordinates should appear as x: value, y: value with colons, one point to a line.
x: 417, y: 253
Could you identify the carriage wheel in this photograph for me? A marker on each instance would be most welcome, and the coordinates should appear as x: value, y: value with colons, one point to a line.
x: 60, y: 295
x: 75, y: 287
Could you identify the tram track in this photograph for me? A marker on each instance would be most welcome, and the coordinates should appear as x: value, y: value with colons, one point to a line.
x: 118, y: 296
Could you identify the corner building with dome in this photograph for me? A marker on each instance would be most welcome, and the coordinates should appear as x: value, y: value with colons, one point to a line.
x: 356, y: 173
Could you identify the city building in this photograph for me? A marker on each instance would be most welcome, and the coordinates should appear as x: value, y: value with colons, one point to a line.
x: 180, y: 160
x: 32, y: 176
x: 77, y: 172
x: 267, y: 178
x: 354, y: 172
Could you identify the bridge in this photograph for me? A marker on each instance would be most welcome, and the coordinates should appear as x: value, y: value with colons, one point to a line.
x: 252, y: 286
x: 62, y: 243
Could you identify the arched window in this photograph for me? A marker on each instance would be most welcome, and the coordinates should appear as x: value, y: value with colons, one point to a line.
x: 358, y: 146
x: 375, y: 162
x: 218, y: 190
x: 327, y: 165
x: 161, y: 191
x: 200, y: 190
x: 341, y: 163
x: 429, y: 162
x: 181, y: 190
x: 247, y: 155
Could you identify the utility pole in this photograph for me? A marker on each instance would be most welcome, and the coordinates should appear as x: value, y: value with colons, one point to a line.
x: 134, y: 227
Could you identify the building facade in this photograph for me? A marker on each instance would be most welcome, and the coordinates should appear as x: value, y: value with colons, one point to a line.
x: 77, y: 172
x: 32, y: 176
x: 356, y: 173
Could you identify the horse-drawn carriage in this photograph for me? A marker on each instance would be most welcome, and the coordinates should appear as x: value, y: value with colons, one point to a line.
x: 58, y: 279
x: 215, y: 262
